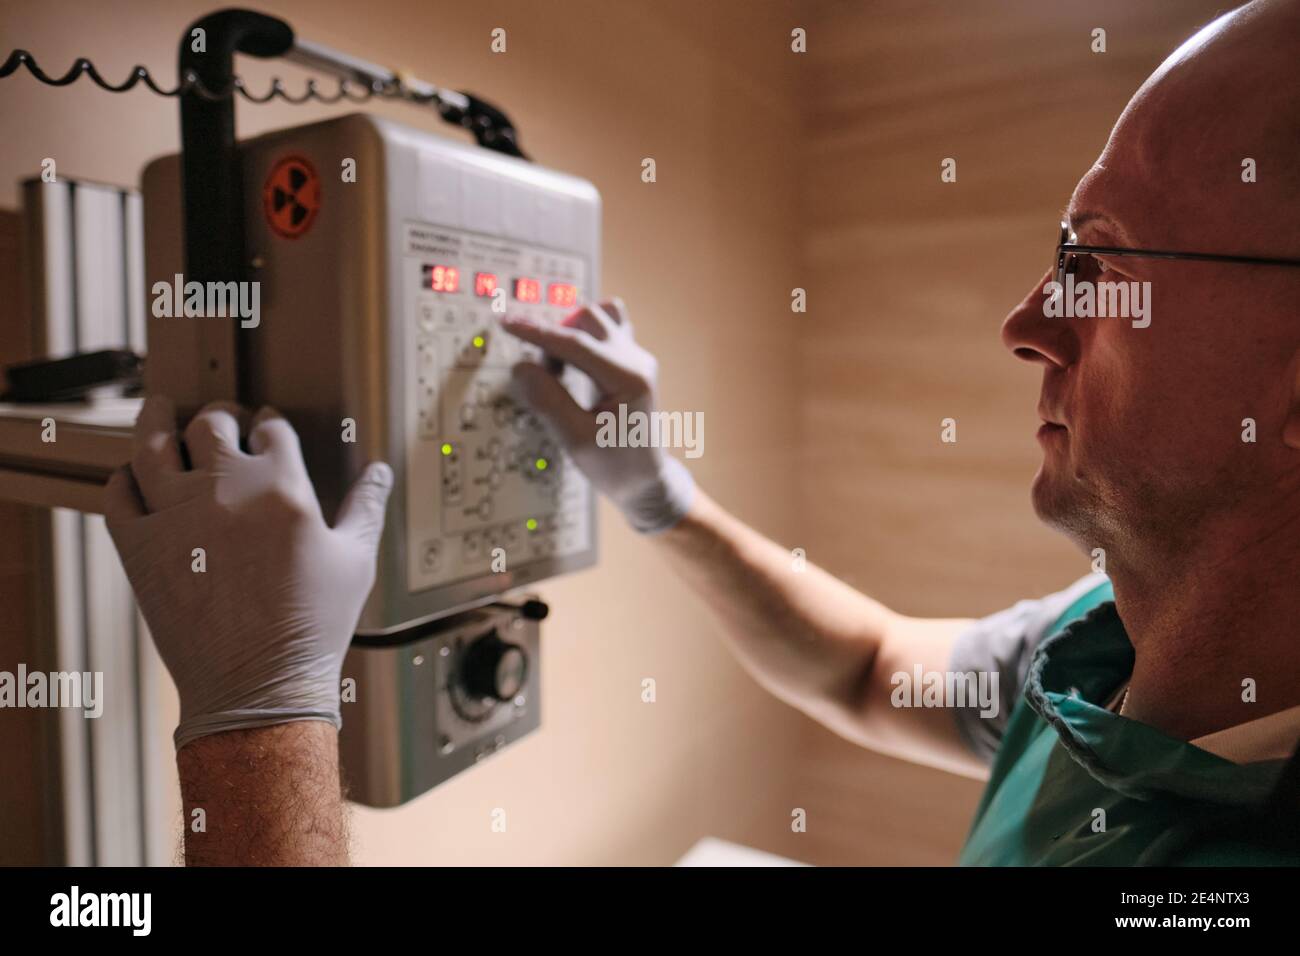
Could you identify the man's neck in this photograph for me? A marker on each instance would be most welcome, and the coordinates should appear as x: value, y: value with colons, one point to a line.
x: 1214, y: 633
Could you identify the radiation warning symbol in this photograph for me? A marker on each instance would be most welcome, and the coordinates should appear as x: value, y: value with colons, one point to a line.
x: 291, y: 197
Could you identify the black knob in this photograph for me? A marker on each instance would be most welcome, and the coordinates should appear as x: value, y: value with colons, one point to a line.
x: 530, y: 610
x: 534, y: 610
x: 493, y: 668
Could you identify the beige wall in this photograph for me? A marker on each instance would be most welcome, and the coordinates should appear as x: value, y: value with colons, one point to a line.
x: 775, y: 171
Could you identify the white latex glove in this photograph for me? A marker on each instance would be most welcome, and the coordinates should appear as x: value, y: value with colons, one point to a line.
x: 651, y: 488
x: 258, y: 637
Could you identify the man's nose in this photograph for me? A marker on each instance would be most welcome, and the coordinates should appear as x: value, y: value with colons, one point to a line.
x: 1035, y: 337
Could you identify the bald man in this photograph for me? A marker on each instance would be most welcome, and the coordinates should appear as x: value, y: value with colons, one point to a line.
x: 1144, y: 717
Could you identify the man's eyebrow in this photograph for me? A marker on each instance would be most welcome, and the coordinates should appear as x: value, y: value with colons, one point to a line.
x: 1081, y: 218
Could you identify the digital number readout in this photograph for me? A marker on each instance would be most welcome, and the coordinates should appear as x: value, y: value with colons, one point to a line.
x: 562, y: 294
x: 442, y: 278
x: 485, y: 284
x: 528, y: 290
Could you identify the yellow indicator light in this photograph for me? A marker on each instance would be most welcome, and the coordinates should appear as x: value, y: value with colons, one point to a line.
x: 541, y: 464
x: 532, y: 524
x: 446, y: 448
x: 479, y: 341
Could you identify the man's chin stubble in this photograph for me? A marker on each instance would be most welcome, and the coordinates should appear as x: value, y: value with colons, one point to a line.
x: 1067, y: 514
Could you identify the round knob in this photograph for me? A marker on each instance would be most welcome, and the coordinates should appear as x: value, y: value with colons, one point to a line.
x: 493, y: 668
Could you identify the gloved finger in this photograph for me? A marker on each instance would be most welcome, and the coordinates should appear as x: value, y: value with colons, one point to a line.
x: 156, y: 453
x: 546, y: 395
x: 593, y: 320
x: 271, y: 434
x: 616, y: 309
x: 213, y: 433
x: 122, y: 501
x: 575, y: 347
x: 361, y: 516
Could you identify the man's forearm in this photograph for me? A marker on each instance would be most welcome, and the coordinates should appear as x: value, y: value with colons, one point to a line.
x: 806, y: 636
x: 269, y: 797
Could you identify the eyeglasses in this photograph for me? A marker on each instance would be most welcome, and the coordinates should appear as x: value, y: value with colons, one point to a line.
x: 1069, y: 250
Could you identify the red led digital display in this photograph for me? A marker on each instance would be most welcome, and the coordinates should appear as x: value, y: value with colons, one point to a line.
x: 528, y: 290
x: 562, y: 294
x: 485, y: 283
x: 442, y: 278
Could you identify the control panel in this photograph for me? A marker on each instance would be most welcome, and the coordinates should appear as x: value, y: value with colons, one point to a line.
x: 508, y: 495
x: 377, y: 336
x: 438, y: 701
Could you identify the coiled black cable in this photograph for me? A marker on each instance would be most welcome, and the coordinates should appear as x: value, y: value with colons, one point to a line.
x: 347, y: 89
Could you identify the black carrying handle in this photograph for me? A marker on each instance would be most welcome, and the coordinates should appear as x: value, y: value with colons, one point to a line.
x: 211, y: 180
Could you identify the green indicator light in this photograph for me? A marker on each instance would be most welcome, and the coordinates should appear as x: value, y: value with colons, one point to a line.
x: 478, y: 341
x: 531, y: 524
x: 446, y: 448
x: 541, y: 464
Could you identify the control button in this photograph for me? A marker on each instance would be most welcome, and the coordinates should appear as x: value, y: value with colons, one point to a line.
x: 468, y: 413
x: 494, y: 447
x: 473, y: 545
x: 494, y: 479
x: 449, y: 316
x: 485, y: 509
x: 430, y: 555
x: 428, y: 413
x: 427, y: 317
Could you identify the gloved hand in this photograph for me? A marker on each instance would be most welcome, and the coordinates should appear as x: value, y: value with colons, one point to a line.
x: 651, y: 488
x: 258, y: 636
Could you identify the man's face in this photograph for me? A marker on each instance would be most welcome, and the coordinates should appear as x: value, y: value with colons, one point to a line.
x: 1143, y: 446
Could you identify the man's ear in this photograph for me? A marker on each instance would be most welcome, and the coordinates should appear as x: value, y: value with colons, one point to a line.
x: 1291, y: 426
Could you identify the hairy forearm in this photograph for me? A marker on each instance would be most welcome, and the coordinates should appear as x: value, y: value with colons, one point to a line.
x: 269, y: 797
x: 807, y: 637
